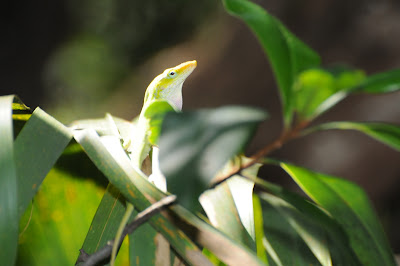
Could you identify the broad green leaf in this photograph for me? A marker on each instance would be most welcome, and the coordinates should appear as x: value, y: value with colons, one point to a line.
x: 312, y: 235
x: 219, y: 205
x: 195, y: 145
x: 242, y: 193
x: 353, y: 81
x: 42, y: 135
x: 111, y: 159
x: 350, y: 207
x: 8, y: 185
x: 380, y: 83
x: 229, y: 206
x: 113, y: 126
x: 62, y: 211
x: 106, y: 221
x: 287, y: 54
x: 340, y: 249
x: 314, y: 89
x: 388, y: 134
x: 282, y: 241
x: 140, y: 254
x: 113, y: 162
x: 155, y: 112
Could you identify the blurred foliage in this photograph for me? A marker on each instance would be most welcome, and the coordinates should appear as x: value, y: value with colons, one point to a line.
x: 62, y: 211
x: 314, y: 86
x: 108, y: 39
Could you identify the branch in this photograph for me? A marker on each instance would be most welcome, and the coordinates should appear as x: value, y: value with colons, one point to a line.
x: 279, y: 142
x: 141, y: 218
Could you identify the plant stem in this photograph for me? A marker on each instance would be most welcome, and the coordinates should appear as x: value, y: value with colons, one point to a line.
x: 285, y: 137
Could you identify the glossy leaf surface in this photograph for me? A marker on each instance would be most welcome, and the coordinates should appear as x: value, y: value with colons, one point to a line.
x: 287, y: 54
x: 194, y: 146
x: 388, y: 134
x: 349, y: 206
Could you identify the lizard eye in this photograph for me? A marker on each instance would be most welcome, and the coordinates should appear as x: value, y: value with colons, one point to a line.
x: 172, y: 74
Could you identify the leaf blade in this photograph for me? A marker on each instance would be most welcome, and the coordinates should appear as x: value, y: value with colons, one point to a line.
x: 204, y: 234
x: 388, y: 134
x: 349, y: 205
x: 312, y: 235
x: 287, y: 54
x: 194, y: 146
x: 8, y: 187
x: 383, y: 82
x: 120, y: 173
x: 44, y: 135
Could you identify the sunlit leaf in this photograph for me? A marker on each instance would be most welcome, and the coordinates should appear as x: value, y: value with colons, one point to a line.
x: 259, y: 229
x: 112, y: 160
x: 109, y: 125
x: 350, y: 207
x: 155, y: 112
x: 316, y: 89
x: 63, y: 209
x: 235, y: 195
x: 42, y: 135
x: 242, y: 193
x: 21, y: 114
x: 8, y: 185
x: 282, y: 242
x: 195, y: 145
x: 388, y: 134
x: 287, y: 54
x: 339, y: 243
x: 106, y: 220
x: 138, y: 188
x: 312, y: 235
x: 220, y: 208
x: 141, y: 254
x: 383, y: 82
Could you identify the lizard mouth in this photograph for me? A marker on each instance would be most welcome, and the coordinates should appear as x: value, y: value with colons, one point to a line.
x: 187, y: 67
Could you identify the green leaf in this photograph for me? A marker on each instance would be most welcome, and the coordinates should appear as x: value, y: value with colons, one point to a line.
x: 388, y: 81
x: 21, y: 114
x: 155, y: 113
x: 135, y: 187
x: 242, y: 193
x: 62, y: 212
x: 352, y: 81
x: 386, y: 133
x: 219, y: 205
x: 44, y: 135
x: 283, y: 244
x: 109, y: 125
x: 111, y: 159
x: 316, y: 90
x: 340, y: 249
x: 259, y: 229
x: 350, y: 207
x: 106, y: 221
x: 195, y: 145
x: 287, y: 54
x: 304, y: 227
x: 229, y: 206
x: 8, y: 185
x: 140, y: 254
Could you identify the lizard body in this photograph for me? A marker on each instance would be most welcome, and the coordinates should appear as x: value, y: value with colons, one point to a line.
x: 166, y: 86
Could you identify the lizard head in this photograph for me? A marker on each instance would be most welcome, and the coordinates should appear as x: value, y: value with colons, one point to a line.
x: 168, y: 85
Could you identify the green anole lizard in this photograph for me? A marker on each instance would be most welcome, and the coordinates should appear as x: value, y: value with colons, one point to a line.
x: 166, y: 86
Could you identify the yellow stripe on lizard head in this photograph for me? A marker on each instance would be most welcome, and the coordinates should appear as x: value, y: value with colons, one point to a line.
x: 168, y: 85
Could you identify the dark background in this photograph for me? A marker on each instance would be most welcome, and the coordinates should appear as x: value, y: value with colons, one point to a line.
x: 80, y: 59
